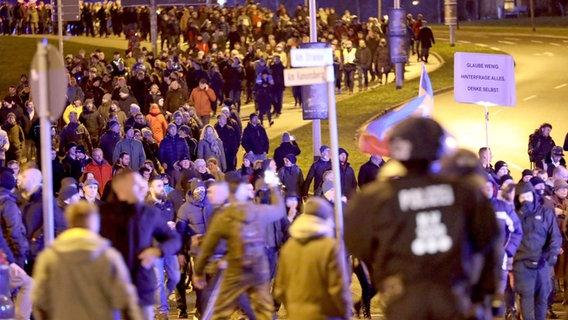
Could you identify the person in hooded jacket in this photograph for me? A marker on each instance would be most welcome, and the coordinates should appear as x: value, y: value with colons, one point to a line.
x: 291, y: 175
x: 348, y: 180
x: 157, y: 122
x: 11, y: 218
x: 172, y: 148
x: 255, y: 140
x: 92, y: 120
x: 101, y: 169
x: 75, y: 132
x: 231, y: 141
x: 192, y: 222
x: 109, y: 139
x: 131, y: 146
x: 312, y: 242
x: 316, y: 172
x: 81, y: 276
x: 537, y: 253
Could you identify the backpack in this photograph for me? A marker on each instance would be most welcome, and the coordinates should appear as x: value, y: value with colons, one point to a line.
x: 249, y: 232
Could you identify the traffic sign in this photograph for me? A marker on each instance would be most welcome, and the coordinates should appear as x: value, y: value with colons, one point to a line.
x: 312, y: 57
x: 307, y: 76
x: 53, y: 70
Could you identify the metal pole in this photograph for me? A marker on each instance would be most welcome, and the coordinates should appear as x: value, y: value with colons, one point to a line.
x: 531, y: 4
x: 452, y: 35
x: 486, y: 125
x: 316, y: 124
x: 333, y: 139
x: 380, y: 13
x: 398, y: 67
x: 60, y: 27
x: 154, y: 27
x: 45, y: 136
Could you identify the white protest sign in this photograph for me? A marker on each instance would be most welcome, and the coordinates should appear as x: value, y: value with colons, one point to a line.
x: 308, y: 76
x: 484, y: 79
x: 311, y: 57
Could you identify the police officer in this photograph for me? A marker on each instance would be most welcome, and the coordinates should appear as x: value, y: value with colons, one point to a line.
x: 422, y: 232
x: 537, y: 253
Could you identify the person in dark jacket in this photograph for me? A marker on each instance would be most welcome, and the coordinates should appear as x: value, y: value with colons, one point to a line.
x: 364, y: 62
x: 255, y: 140
x: 537, y: 253
x: 426, y: 40
x: 540, y: 145
x: 316, y: 172
x: 11, y: 222
x: 31, y: 206
x: 172, y: 148
x: 264, y: 96
x: 235, y: 76
x: 291, y: 175
x: 288, y: 146
x: 277, y: 72
x: 369, y: 170
x: 109, y: 139
x: 92, y: 120
x: 75, y: 132
x: 139, y: 233
x: 231, y: 142
x: 157, y: 198
x: 348, y: 180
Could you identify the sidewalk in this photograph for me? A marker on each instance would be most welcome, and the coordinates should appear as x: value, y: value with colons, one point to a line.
x: 291, y: 117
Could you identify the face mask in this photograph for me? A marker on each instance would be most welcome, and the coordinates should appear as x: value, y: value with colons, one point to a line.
x: 539, y: 192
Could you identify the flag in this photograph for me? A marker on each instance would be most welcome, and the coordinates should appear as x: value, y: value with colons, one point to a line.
x: 372, y: 137
x: 425, y: 89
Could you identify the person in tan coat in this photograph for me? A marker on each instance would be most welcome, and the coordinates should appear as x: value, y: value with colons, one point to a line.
x: 311, y: 259
x: 201, y: 98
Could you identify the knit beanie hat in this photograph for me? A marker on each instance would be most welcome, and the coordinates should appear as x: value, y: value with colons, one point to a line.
x: 7, y: 180
x: 291, y: 158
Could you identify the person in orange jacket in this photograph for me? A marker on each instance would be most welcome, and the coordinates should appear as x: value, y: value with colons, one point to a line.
x: 157, y: 122
x: 201, y: 98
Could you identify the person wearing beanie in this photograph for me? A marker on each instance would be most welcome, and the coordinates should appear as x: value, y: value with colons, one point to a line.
x: 246, y: 171
x: 172, y: 148
x: 110, y: 139
x: 313, y: 243
x: 348, y: 180
x: 16, y: 138
x: 11, y: 217
x: 537, y: 254
x: 234, y: 120
x: 501, y: 169
x: 231, y: 141
x: 540, y: 189
x: 288, y: 146
x: 526, y: 175
x: 318, y: 168
x: 255, y: 140
x: 506, y: 180
x: 424, y: 219
x: 131, y: 146
x: 264, y: 97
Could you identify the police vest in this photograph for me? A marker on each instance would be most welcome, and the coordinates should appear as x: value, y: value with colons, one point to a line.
x: 349, y: 56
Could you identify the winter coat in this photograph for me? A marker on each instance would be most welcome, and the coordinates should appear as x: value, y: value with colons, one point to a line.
x: 13, y: 226
x: 311, y: 258
x: 175, y: 99
x: 539, y: 146
x: 81, y: 266
x: 16, y: 138
x: 284, y: 149
x: 134, y: 148
x: 277, y: 72
x: 157, y: 123
x: 264, y: 95
x: 132, y: 228
x: 382, y: 58
x: 230, y: 138
x: 426, y: 37
x: 348, y: 180
x: 364, y: 57
x: 201, y: 100
x: 76, y: 133
x: 94, y: 123
x: 171, y: 150
x: 292, y: 178
x: 316, y: 172
x: 368, y: 173
x: 510, y: 226
x: 102, y: 172
x: 255, y: 139
x: 235, y: 76
x: 32, y: 216
x: 205, y: 151
x: 193, y: 217
x: 69, y: 109
x: 108, y: 142
x: 124, y: 104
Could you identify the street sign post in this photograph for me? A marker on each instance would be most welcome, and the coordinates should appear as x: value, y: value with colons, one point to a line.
x: 49, y: 85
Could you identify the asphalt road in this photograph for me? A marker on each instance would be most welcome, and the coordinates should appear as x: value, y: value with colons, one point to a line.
x: 542, y: 89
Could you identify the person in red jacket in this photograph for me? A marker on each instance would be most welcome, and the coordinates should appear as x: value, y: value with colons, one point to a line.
x: 100, y: 168
x: 157, y: 122
x: 201, y: 98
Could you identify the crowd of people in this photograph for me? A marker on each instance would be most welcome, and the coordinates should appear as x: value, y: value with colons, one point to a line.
x: 146, y: 154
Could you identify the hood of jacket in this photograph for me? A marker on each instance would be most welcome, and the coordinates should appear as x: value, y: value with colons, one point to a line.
x: 77, y: 245
x: 307, y: 227
x: 154, y: 110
